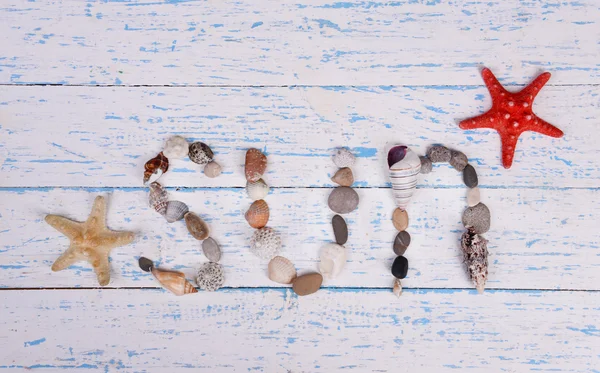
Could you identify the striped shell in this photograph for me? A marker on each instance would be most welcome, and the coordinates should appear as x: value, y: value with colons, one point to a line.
x: 196, y: 226
x: 173, y: 281
x: 265, y: 243
x: 155, y: 168
x: 332, y: 260
x: 257, y: 189
x: 281, y: 270
x: 158, y: 198
x: 404, y: 168
x: 176, y: 210
x: 258, y: 214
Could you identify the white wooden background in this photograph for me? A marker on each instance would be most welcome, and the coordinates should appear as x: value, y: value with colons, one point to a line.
x: 90, y: 90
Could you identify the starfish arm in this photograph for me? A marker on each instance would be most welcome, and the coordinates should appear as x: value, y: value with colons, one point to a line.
x: 545, y: 128
x: 99, y: 262
x: 111, y: 239
x: 493, y: 85
x: 482, y: 121
x: 509, y: 144
x: 528, y: 93
x: 67, y: 259
x: 65, y: 226
x: 97, y: 217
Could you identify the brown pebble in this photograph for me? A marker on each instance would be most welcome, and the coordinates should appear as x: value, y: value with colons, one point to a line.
x: 400, y: 219
x: 307, y: 284
x: 340, y: 229
x: 343, y: 177
x: 401, y: 242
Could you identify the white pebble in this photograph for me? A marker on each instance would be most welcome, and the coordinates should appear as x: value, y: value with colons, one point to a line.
x: 473, y: 196
x: 176, y: 147
x: 212, y: 169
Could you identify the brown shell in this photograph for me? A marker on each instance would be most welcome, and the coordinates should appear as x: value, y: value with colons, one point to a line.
x: 258, y: 214
x: 158, y: 198
x: 174, y: 281
x: 196, y: 226
x: 156, y: 166
x: 256, y: 164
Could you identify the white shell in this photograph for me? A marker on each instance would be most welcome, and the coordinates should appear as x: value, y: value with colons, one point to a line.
x: 265, y: 243
x: 343, y: 158
x: 333, y: 259
x: 257, y: 189
x: 397, y: 288
x: 176, y: 147
x: 210, y: 276
x: 473, y: 196
x: 176, y: 210
x: 403, y: 175
x: 281, y: 270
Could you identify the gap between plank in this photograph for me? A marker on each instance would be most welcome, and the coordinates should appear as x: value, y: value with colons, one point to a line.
x: 430, y: 86
x: 193, y: 188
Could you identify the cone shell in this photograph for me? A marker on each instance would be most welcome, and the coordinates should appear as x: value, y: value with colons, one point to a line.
x: 174, y: 281
x: 258, y: 214
x: 256, y: 164
x: 403, y: 174
x: 281, y: 270
x: 176, y: 210
x: 196, y: 226
x: 158, y: 198
x: 265, y: 243
x: 332, y: 260
x: 257, y: 189
x: 155, y: 168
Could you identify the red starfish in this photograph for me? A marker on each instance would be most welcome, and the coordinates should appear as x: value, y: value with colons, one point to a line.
x: 511, y: 114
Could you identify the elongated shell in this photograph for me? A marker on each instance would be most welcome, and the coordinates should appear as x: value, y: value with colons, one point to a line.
x: 196, y: 226
x: 155, y: 168
x: 258, y: 214
x: 403, y: 174
x: 397, y: 288
x: 265, y: 243
x: 281, y: 270
x: 257, y: 189
x: 173, y: 281
x: 333, y: 260
x: 176, y: 210
x: 256, y: 164
x: 158, y: 198
x: 475, y: 256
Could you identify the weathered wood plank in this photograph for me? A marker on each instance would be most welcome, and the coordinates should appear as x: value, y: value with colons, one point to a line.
x: 275, y: 331
x: 315, y: 42
x: 540, y: 239
x: 83, y: 136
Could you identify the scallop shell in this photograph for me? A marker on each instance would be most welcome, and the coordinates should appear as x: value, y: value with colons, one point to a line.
x: 211, y: 276
x: 256, y: 164
x: 173, y: 281
x: 196, y: 226
x: 200, y: 153
x: 281, y: 270
x: 265, y: 243
x: 155, y: 168
x: 158, y: 198
x: 176, y: 210
x: 257, y: 189
x: 333, y: 259
x: 176, y: 147
x: 404, y: 168
x: 258, y: 214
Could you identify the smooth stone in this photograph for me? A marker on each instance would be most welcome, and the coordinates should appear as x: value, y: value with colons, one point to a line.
x: 473, y: 196
x: 343, y: 177
x: 400, y: 219
x: 401, y: 242
x: 340, y: 229
x: 212, y: 169
x: 307, y: 284
x: 458, y: 160
x: 211, y: 249
x: 426, y: 165
x: 400, y: 267
x: 470, y: 176
x: 477, y: 217
x: 438, y: 154
x: 343, y: 200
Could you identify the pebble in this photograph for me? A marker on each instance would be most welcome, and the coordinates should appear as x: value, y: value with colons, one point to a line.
x: 473, y: 196
x: 212, y: 169
x: 211, y: 249
x: 401, y: 242
x: 340, y: 229
x: 343, y: 177
x: 400, y: 219
x: 426, y: 165
x: 307, y: 284
x: 458, y: 160
x: 400, y: 267
x: 438, y: 154
x: 343, y: 200
x: 470, y: 176
x: 477, y: 217
x: 343, y: 158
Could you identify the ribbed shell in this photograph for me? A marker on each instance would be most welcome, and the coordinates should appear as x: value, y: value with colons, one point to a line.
x: 211, y: 276
x: 265, y: 243
x: 158, y: 198
x: 155, y: 168
x: 257, y: 189
x: 196, y: 226
x: 200, y: 153
x: 258, y: 214
x: 255, y: 165
x: 403, y: 176
x: 176, y: 210
x: 281, y: 270
x: 332, y: 260
x: 173, y: 281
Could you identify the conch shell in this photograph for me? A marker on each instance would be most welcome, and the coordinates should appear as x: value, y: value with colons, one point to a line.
x: 174, y: 281
x: 155, y: 168
x: 404, y: 166
x: 258, y: 214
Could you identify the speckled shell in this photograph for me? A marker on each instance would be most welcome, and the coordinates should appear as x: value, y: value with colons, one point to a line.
x: 332, y: 260
x: 403, y: 175
x: 210, y: 276
x: 155, y: 168
x: 200, y: 153
x: 173, y: 281
x: 176, y: 147
x: 281, y: 270
x: 196, y: 226
x: 176, y: 210
x: 257, y: 189
x: 256, y: 164
x: 343, y: 158
x: 265, y: 243
x: 258, y: 214
x: 158, y: 198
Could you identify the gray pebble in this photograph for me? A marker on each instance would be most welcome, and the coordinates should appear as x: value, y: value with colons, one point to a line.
x: 401, y: 242
x: 470, y: 176
x: 438, y: 154
x: 340, y: 229
x: 211, y: 250
x: 343, y: 200
x: 426, y: 165
x: 458, y: 160
x: 477, y: 217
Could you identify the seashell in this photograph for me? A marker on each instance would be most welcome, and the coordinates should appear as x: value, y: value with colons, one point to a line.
x: 258, y: 214
x: 176, y: 147
x: 281, y: 270
x: 174, y: 281
x: 211, y: 250
x: 333, y: 259
x: 196, y: 226
x: 475, y: 255
x: 256, y: 164
x: 257, y: 189
x: 211, y: 276
x: 404, y: 168
x: 265, y: 243
x: 200, y: 153
x: 176, y: 210
x: 307, y: 284
x: 343, y: 177
x: 155, y: 168
x: 397, y: 288
x: 158, y: 198
x: 212, y: 169
x: 343, y: 158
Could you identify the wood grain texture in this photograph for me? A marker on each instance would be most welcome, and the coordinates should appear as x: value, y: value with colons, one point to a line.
x: 315, y: 42
x: 92, y: 136
x: 275, y: 331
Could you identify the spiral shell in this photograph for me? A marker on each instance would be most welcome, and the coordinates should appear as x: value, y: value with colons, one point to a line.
x: 176, y: 210
x: 196, y: 226
x: 332, y: 260
x: 200, y: 153
x: 173, y: 281
x: 258, y: 214
x: 155, y: 168
x: 281, y: 270
x: 256, y: 164
x: 210, y: 276
x: 404, y: 166
x: 257, y: 189
x: 265, y: 243
x: 475, y: 254
x: 158, y: 198
x: 176, y: 147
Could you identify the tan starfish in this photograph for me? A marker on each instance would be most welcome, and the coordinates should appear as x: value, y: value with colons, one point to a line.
x: 90, y: 241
